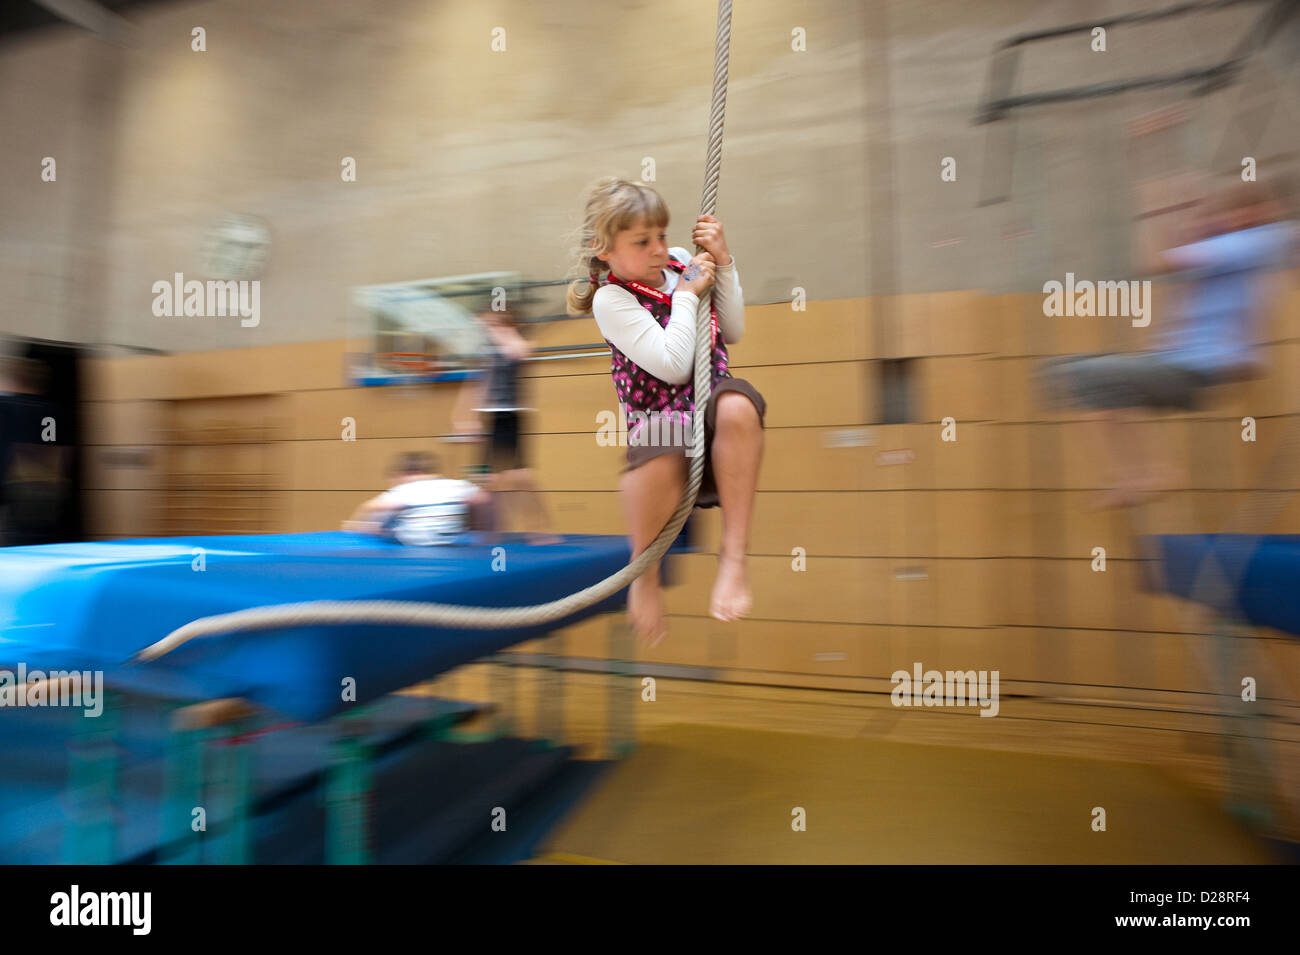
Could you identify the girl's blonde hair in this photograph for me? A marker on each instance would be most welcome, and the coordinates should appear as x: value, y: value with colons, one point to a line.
x: 613, y: 205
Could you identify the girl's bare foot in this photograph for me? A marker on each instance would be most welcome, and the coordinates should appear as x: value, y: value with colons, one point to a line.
x: 1144, y: 495
x: 1138, y: 489
x: 545, y: 540
x: 731, y: 597
x: 1158, y: 480
x: 1112, y: 497
x: 645, y: 609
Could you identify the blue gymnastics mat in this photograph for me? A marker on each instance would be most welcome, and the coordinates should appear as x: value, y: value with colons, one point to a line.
x: 91, y: 606
x: 1252, y: 577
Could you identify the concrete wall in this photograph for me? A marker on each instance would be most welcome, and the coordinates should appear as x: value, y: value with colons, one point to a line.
x: 474, y: 160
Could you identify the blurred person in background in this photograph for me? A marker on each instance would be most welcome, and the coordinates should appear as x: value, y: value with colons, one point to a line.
x: 1241, y: 233
x: 422, y: 508
x: 492, y: 405
x: 33, y: 464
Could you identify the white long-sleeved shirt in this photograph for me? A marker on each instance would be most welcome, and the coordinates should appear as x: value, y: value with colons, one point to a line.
x: 668, y: 352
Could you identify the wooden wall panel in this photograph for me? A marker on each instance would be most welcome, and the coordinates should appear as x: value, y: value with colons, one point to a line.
x: 122, y: 422
x: 973, y: 554
x: 836, y: 329
x: 122, y: 513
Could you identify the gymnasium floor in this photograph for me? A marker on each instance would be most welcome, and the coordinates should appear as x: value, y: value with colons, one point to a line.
x: 714, y: 780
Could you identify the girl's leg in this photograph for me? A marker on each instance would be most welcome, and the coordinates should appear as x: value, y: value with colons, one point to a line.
x: 1140, y: 463
x: 1109, y: 439
x: 480, y: 512
x: 543, y: 529
x: 650, y: 494
x: 737, y: 451
x: 1157, y: 473
x: 502, y: 501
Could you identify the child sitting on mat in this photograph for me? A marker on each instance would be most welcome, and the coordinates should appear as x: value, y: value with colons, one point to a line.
x: 646, y: 309
x: 421, y: 507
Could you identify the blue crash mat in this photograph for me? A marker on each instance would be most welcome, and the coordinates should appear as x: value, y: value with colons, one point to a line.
x: 1250, y: 576
x: 94, y: 605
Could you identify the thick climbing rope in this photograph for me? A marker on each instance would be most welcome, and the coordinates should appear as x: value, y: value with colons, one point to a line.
x: 412, y: 614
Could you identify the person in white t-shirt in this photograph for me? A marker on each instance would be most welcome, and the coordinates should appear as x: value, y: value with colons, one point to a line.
x: 421, y: 507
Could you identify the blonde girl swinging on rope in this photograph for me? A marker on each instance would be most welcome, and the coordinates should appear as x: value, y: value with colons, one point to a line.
x: 644, y: 296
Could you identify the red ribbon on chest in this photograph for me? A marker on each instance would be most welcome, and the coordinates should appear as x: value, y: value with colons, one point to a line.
x: 666, y: 299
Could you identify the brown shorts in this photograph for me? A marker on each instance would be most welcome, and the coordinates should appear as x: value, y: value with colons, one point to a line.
x: 708, y: 496
x: 1154, y: 379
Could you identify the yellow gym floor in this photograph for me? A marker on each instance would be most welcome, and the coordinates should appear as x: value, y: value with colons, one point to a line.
x: 718, y: 794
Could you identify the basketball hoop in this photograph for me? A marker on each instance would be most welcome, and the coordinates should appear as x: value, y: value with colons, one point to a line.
x: 408, y: 363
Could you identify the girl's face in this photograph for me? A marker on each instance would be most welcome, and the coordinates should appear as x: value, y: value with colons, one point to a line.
x: 639, y: 253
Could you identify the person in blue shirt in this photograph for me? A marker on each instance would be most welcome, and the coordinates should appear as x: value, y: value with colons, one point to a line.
x: 33, y: 463
x: 1241, y: 235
